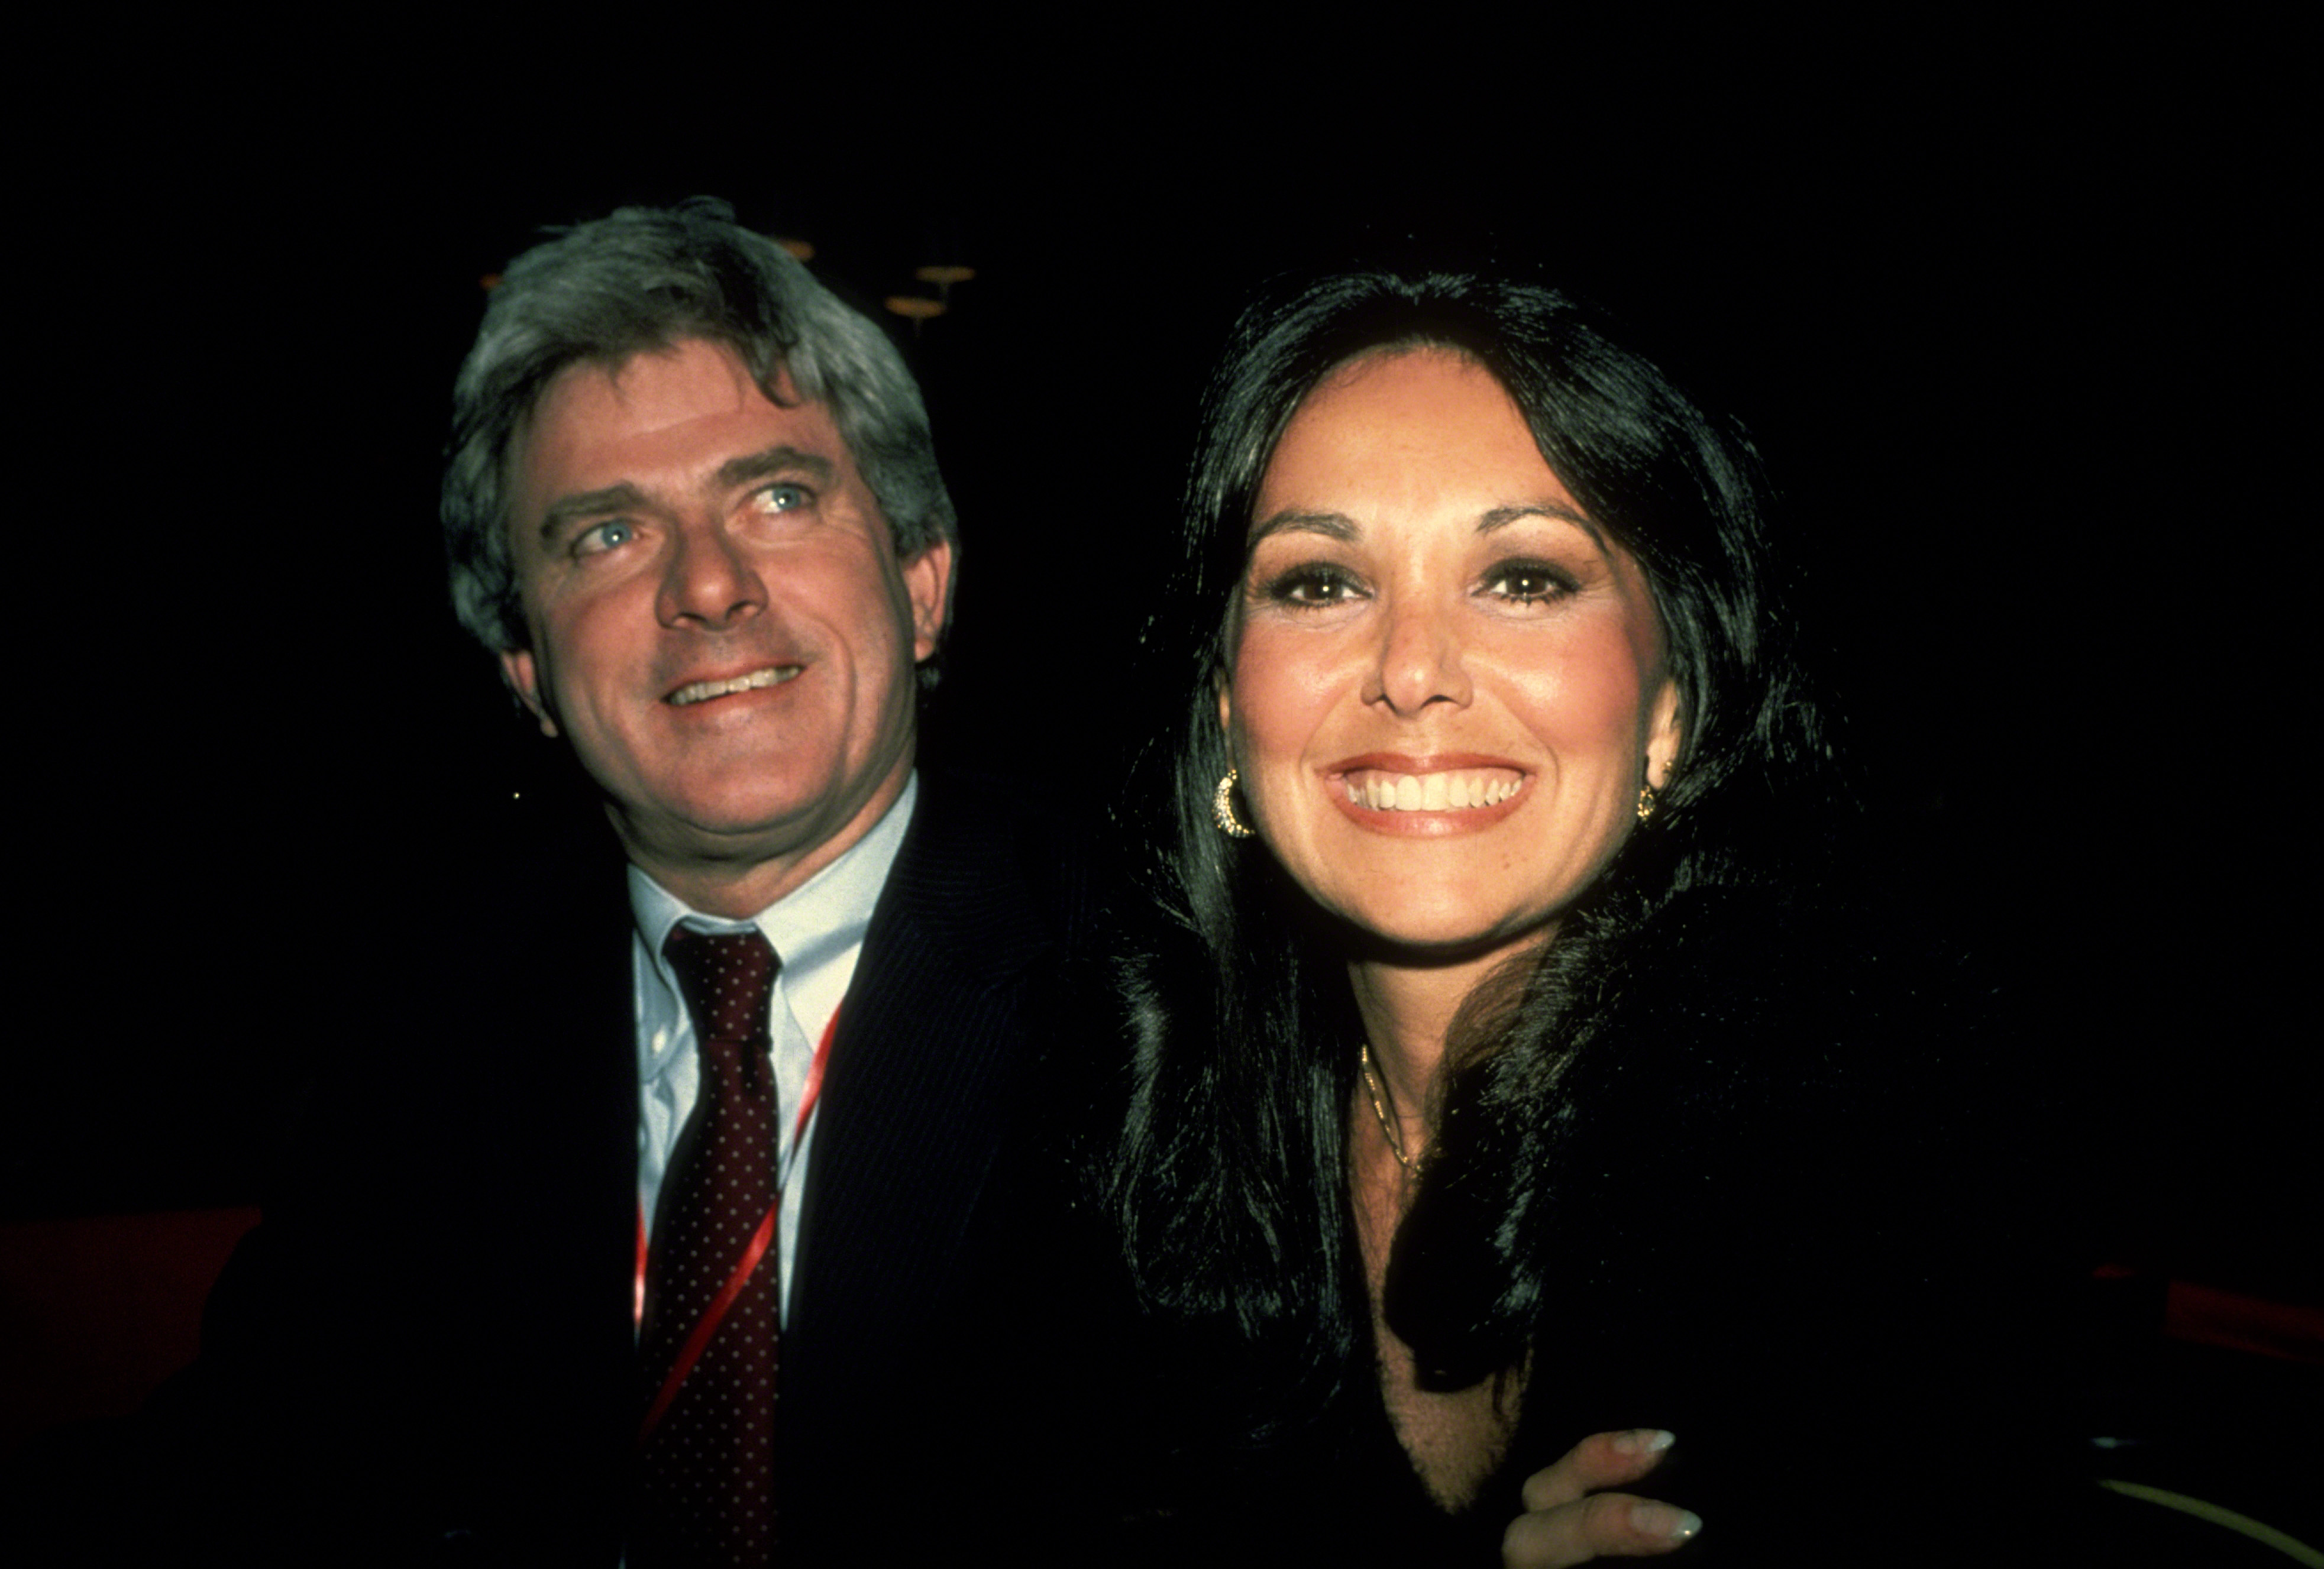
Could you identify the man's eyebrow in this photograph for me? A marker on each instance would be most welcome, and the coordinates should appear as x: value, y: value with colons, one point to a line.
x: 776, y: 460
x: 1334, y: 525
x: 735, y: 471
x: 589, y: 504
x: 1501, y: 517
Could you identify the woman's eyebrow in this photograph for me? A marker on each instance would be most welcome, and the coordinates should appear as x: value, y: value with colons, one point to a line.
x: 1340, y: 526
x: 1335, y: 525
x: 1501, y: 517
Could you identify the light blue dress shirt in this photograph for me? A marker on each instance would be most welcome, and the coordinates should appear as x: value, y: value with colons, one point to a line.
x: 817, y: 932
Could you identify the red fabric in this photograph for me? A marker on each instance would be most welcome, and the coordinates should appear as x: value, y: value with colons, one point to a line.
x: 2253, y: 1324
x: 97, y: 1310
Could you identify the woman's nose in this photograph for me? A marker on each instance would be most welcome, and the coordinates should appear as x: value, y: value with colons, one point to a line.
x: 709, y: 581
x: 1420, y: 657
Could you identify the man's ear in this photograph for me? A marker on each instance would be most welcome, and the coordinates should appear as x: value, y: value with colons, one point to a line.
x: 928, y: 585
x: 1663, y: 735
x: 517, y: 669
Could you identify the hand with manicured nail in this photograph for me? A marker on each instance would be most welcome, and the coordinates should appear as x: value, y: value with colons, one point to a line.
x: 1569, y: 1518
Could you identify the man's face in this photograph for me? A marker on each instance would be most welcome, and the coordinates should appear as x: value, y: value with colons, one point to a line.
x: 717, y: 619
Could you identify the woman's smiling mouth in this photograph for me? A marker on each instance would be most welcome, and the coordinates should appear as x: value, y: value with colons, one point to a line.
x: 1452, y: 790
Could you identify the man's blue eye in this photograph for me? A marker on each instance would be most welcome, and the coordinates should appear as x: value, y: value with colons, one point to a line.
x: 783, y: 498
x: 606, y: 536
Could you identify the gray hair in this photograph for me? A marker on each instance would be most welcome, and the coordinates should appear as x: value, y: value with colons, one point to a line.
x: 641, y: 281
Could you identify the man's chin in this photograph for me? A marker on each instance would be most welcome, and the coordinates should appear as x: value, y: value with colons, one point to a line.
x: 750, y: 843
x: 736, y: 834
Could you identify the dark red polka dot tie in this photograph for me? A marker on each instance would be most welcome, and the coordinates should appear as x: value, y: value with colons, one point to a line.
x: 706, y: 1460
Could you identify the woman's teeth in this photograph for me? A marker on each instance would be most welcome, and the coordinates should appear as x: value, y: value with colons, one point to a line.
x: 1431, y: 792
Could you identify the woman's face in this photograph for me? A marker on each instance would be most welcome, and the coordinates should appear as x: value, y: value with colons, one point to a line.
x: 1448, y: 684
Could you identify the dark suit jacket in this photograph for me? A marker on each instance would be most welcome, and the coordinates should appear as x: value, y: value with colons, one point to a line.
x: 425, y: 1352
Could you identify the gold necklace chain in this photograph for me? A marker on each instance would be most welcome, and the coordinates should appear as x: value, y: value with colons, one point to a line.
x: 1375, y: 1089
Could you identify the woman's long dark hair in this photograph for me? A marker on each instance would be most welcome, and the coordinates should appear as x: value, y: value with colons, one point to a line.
x: 1232, y: 1181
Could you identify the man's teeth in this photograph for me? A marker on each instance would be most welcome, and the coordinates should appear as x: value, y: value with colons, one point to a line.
x: 1431, y: 792
x: 772, y: 676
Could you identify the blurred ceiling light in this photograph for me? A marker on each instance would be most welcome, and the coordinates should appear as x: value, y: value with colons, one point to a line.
x: 915, y: 307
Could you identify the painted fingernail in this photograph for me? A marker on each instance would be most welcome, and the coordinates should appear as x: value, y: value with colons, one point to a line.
x: 1643, y: 1441
x: 1672, y: 1524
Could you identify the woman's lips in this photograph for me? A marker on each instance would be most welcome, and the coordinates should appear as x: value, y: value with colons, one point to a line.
x: 1445, y: 791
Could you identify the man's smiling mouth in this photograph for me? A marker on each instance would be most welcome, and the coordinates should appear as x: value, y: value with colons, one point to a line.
x: 702, y: 691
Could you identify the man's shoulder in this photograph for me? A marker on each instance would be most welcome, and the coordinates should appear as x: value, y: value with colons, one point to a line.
x: 985, y: 869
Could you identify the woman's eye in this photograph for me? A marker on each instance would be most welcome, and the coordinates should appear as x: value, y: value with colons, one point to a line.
x: 611, y: 534
x: 1528, y: 582
x: 1314, y: 584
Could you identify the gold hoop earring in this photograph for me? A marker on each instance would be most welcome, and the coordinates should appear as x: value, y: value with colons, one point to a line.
x: 1223, y: 811
x: 1646, y: 803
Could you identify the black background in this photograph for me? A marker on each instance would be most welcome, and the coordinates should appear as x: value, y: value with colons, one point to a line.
x: 2017, y: 321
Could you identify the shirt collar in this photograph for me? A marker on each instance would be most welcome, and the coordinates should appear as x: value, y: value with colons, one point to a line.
x: 822, y: 920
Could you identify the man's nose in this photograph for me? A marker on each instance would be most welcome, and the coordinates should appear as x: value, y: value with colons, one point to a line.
x: 709, y: 580
x: 1420, y: 658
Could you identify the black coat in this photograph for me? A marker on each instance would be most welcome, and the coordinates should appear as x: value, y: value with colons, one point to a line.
x: 1802, y: 1219
x: 1786, y: 1211
x: 425, y: 1350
